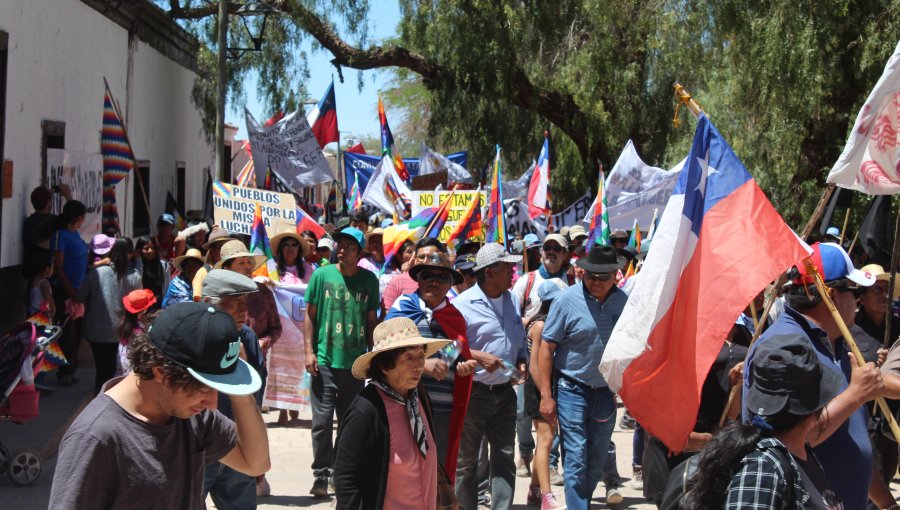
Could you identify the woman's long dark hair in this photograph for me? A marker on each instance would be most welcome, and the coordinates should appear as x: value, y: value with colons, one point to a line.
x: 152, y: 273
x: 279, y: 259
x: 118, y: 256
x: 397, y: 260
x: 721, y: 458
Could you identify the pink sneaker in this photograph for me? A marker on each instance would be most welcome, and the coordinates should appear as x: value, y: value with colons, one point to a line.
x: 549, y: 503
x: 534, y: 496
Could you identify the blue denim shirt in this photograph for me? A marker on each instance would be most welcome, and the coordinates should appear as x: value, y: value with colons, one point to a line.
x: 580, y: 326
x: 846, y: 456
x: 487, y: 331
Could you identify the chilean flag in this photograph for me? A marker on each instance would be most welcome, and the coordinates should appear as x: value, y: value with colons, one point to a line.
x: 718, y: 244
x: 539, y: 188
x: 323, y: 119
x: 305, y: 222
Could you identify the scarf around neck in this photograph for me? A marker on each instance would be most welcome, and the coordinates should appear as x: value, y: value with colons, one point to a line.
x: 416, y: 424
x: 545, y: 274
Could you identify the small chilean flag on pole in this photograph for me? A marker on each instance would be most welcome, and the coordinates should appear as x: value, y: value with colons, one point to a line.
x: 305, y: 222
x: 718, y: 244
x: 323, y: 119
x: 539, y: 188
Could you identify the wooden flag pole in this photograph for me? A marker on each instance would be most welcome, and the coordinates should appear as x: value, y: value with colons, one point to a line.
x: 848, y: 338
x: 756, y: 320
x: 137, y: 170
x: 853, y: 243
x: 888, y: 341
x: 844, y: 227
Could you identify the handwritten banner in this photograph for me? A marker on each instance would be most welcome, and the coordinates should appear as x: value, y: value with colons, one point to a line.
x: 461, y: 201
x: 82, y: 172
x: 234, y: 206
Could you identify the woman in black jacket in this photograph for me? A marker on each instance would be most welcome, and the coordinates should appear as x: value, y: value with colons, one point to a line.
x: 389, y: 419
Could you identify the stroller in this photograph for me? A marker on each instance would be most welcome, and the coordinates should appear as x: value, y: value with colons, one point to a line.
x: 21, y: 355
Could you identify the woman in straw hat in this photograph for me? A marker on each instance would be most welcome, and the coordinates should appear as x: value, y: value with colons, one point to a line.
x: 386, y: 456
x: 287, y: 359
x: 179, y: 290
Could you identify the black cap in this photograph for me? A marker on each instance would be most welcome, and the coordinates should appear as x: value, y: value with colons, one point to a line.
x: 206, y: 342
x: 787, y: 377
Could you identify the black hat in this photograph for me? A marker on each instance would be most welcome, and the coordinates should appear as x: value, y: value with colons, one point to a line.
x: 787, y: 377
x: 628, y: 252
x: 436, y: 260
x: 465, y: 263
x: 206, y: 342
x: 601, y: 259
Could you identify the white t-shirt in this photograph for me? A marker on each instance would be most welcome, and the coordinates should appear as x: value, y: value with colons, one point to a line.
x: 518, y: 292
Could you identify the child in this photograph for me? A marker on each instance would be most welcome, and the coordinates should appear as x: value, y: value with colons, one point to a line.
x: 40, y: 296
x: 136, y: 304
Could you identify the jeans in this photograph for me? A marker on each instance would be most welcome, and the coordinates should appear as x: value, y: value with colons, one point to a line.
x: 586, y: 420
x: 523, y: 425
x: 491, y: 414
x: 637, y: 446
x: 555, y: 451
x: 332, y: 390
x: 230, y: 490
x: 610, y: 470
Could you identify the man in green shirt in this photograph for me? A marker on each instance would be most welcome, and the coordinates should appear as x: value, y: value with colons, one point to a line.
x: 341, y: 301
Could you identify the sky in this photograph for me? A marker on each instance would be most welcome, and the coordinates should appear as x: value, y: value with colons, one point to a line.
x: 356, y: 110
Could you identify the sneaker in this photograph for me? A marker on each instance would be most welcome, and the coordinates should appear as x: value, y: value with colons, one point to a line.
x: 548, y: 502
x: 555, y: 479
x: 613, y: 495
x: 637, y: 478
x: 320, y: 488
x: 523, y: 467
x: 626, y: 422
x: 262, y: 487
x: 331, y: 484
x: 534, y: 496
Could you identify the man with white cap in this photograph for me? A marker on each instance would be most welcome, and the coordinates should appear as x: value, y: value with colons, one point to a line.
x: 495, y: 331
x: 145, y: 440
x: 840, y: 441
x: 554, y: 259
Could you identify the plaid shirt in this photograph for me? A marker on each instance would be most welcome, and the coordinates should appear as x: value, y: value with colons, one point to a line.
x: 761, y: 484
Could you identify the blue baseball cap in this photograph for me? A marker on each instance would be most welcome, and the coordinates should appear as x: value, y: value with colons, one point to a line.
x: 833, y: 231
x: 166, y: 218
x: 351, y: 233
x: 550, y: 289
x: 832, y: 263
x: 531, y: 241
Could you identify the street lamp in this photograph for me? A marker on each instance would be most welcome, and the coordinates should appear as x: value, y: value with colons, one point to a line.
x: 245, y: 11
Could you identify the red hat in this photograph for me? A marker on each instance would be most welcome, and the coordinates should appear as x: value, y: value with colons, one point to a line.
x: 139, y: 300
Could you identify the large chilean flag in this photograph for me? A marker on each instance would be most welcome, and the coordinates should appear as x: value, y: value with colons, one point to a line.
x: 718, y: 244
x: 323, y: 119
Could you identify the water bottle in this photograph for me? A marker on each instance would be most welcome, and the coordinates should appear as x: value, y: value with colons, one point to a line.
x: 510, y: 371
x: 449, y: 353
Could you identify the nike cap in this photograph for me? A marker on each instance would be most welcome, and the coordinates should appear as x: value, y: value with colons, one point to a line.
x: 206, y: 342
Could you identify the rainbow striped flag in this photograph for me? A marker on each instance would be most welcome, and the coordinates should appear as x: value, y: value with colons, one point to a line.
x: 635, y: 240
x: 441, y: 216
x: 469, y: 226
x: 53, y: 358
x: 247, y: 176
x: 222, y: 189
x: 259, y: 245
x: 387, y: 143
x: 599, y: 231
x: 354, y: 201
x: 118, y: 159
x: 495, y: 231
x: 414, y: 229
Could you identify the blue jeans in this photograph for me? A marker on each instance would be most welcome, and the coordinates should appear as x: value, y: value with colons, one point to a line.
x: 637, y: 446
x: 523, y: 425
x: 491, y: 414
x: 230, y: 490
x: 586, y: 420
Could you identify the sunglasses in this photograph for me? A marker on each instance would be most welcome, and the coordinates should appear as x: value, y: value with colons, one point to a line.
x: 428, y: 276
x: 597, y: 276
x: 554, y: 249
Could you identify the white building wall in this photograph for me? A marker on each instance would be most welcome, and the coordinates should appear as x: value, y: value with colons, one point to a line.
x: 59, y: 53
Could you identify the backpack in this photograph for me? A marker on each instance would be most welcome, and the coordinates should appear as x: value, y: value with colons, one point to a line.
x: 681, y: 475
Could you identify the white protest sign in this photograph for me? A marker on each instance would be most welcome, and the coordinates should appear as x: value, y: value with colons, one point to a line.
x: 519, y: 222
x: 634, y: 189
x: 83, y: 173
x: 234, y: 206
x: 290, y: 149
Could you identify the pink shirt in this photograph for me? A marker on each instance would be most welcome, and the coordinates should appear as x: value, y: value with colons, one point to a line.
x: 400, y: 285
x: 411, y: 480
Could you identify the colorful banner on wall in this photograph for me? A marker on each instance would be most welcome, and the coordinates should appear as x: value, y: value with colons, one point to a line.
x: 82, y: 172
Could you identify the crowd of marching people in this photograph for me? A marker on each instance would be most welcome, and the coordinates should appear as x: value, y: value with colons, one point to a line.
x: 438, y: 365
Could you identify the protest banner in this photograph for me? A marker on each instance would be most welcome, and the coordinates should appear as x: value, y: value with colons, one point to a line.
x: 233, y: 208
x: 634, y: 189
x: 364, y: 165
x: 290, y: 150
x: 519, y: 222
x: 83, y: 173
x: 461, y: 200
x: 287, y: 365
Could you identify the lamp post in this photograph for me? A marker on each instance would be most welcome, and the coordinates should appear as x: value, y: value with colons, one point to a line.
x: 245, y: 12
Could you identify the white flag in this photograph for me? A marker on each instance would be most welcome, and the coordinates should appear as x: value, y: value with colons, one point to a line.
x: 386, y: 190
x: 871, y: 159
x: 432, y: 162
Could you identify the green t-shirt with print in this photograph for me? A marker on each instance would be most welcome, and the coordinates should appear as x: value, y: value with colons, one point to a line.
x: 342, y: 304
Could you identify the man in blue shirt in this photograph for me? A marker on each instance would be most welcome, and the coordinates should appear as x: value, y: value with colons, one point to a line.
x: 841, y: 441
x: 575, y: 334
x: 497, y: 339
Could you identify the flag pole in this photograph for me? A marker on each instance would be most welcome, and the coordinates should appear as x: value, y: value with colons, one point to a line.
x: 844, y: 227
x: 888, y: 341
x: 848, y: 338
x: 137, y: 169
x: 441, y: 208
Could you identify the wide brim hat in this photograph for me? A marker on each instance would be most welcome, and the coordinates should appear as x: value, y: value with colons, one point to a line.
x: 102, y: 244
x: 391, y: 334
x: 881, y: 275
x: 192, y: 253
x: 138, y: 300
x: 601, y: 259
x: 786, y: 376
x: 218, y: 235
x: 436, y: 260
x: 234, y: 249
x: 284, y: 232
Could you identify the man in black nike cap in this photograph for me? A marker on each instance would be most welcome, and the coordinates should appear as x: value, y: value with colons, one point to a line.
x: 145, y: 440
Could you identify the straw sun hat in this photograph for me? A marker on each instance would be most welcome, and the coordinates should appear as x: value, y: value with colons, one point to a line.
x: 192, y: 253
x: 285, y: 231
x: 234, y: 249
x: 395, y: 334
